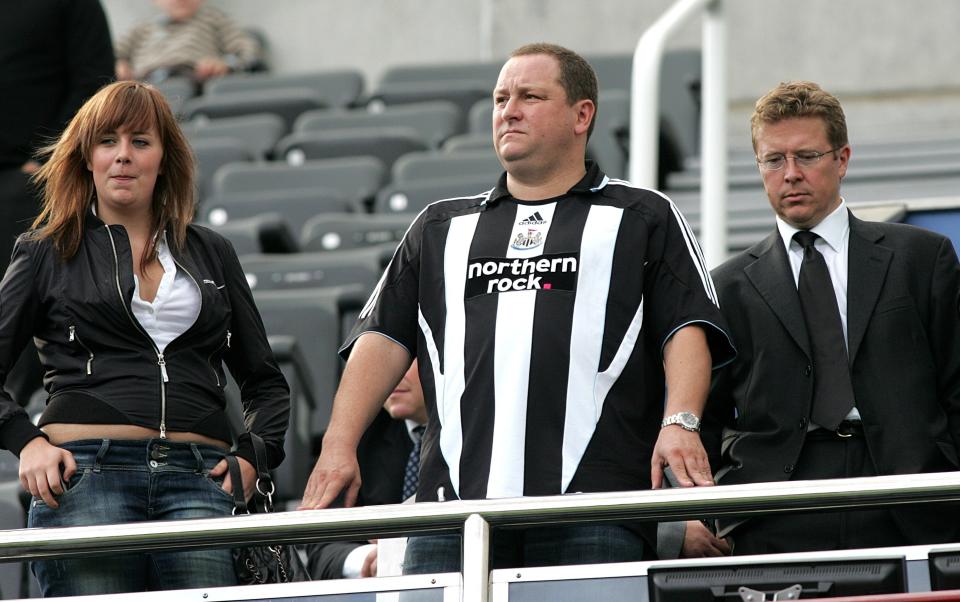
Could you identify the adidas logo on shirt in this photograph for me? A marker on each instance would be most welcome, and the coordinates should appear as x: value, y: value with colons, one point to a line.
x: 534, y: 220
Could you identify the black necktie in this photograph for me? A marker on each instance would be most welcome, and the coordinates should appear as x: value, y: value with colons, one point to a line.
x: 833, y: 389
x: 411, y: 474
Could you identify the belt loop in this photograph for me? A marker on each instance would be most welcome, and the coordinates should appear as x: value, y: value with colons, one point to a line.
x: 198, y: 456
x: 104, y: 446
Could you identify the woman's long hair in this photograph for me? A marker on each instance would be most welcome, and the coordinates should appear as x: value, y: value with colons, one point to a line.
x: 67, y: 182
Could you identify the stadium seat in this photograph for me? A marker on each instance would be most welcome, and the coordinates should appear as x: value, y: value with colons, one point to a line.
x: 354, y: 178
x: 384, y: 143
x: 258, y: 132
x: 362, y: 266
x: 468, y: 142
x: 334, y: 232
x: 609, y: 133
x: 295, y: 206
x: 483, y: 71
x: 462, y: 93
x: 336, y: 89
x: 434, y: 121
x: 322, y: 313
x: 213, y: 153
x: 290, y: 477
x: 412, y: 197
x: 480, y: 117
x: 288, y: 103
x: 432, y: 165
x: 264, y: 233
x: 177, y: 90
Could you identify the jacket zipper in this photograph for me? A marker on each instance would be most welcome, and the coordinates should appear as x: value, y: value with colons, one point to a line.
x: 216, y: 375
x: 73, y: 337
x: 160, y: 361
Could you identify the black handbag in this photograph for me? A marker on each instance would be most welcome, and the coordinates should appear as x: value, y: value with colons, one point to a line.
x: 268, y: 563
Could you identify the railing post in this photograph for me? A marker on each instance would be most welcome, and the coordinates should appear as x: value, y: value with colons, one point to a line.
x: 476, y: 559
x: 713, y: 147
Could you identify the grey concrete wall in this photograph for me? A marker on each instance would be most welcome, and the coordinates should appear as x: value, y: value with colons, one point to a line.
x: 851, y: 46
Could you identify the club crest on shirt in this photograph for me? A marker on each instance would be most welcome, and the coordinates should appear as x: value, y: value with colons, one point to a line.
x: 530, y: 239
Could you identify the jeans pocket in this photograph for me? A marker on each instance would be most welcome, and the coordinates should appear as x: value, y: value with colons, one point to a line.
x: 216, y: 483
x: 70, y: 487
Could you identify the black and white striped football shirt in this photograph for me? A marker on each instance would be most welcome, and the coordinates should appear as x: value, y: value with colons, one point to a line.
x: 539, y: 327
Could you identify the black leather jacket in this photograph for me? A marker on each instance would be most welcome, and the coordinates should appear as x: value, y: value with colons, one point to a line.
x: 99, y: 360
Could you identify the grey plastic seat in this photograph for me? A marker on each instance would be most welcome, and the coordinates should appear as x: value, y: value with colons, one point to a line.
x: 258, y: 132
x: 385, y: 143
x: 294, y: 206
x: 177, y: 90
x: 321, y: 315
x: 434, y: 121
x: 362, y: 266
x: 335, y: 232
x: 480, y: 117
x: 462, y: 93
x: 484, y: 71
x: 336, y: 88
x: 428, y: 166
x: 213, y: 153
x: 610, y: 132
x: 468, y: 143
x: 288, y: 103
x: 264, y: 233
x: 412, y: 197
x: 354, y: 177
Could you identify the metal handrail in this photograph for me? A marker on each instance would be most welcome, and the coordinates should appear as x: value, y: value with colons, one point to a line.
x: 645, y: 115
x: 392, y: 520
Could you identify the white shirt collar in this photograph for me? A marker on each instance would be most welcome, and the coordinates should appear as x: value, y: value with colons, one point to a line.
x: 832, y: 229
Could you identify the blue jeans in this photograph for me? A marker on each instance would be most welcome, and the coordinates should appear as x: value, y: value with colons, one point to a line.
x: 540, y: 546
x: 119, y: 481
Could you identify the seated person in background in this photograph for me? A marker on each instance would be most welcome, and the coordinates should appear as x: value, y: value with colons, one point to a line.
x: 189, y: 39
x: 389, y: 457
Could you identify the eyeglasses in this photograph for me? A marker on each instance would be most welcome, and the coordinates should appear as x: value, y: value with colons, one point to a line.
x: 802, y: 159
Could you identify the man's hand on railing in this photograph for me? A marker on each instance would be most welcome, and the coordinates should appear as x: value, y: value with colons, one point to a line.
x: 683, y: 452
x: 40, y: 465
x: 336, y: 471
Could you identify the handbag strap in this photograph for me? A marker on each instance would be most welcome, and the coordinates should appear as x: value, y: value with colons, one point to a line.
x: 263, y: 494
x: 239, y: 502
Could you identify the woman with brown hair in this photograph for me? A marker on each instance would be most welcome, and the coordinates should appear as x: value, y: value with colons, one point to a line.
x: 133, y: 311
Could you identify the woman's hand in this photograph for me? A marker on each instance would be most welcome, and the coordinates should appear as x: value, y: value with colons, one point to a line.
x: 40, y: 464
x: 247, y: 472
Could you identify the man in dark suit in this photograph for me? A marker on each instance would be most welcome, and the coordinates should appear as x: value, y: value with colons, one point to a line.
x: 848, y: 343
x: 383, y: 454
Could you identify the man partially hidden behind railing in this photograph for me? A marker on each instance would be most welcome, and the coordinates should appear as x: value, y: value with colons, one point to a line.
x: 551, y: 316
x: 848, y: 338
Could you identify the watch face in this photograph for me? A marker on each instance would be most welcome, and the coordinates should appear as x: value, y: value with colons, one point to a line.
x: 688, y: 420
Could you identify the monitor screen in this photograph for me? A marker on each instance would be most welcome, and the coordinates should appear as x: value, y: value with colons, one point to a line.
x: 945, y: 571
x: 816, y: 580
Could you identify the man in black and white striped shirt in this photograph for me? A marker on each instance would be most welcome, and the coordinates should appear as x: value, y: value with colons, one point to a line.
x: 551, y: 316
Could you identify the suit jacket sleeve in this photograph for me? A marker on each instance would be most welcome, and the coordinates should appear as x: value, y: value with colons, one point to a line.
x: 945, y: 333
x: 325, y: 560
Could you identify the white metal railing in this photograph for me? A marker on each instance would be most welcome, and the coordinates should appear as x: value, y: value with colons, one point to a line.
x: 476, y: 517
x: 645, y: 115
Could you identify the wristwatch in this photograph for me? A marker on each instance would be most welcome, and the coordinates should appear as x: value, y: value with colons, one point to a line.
x: 686, y: 421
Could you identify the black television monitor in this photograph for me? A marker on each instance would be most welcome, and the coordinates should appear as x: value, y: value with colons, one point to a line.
x: 945, y: 571
x: 824, y: 579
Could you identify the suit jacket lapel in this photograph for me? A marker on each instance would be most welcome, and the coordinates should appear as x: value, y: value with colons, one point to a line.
x: 771, y: 275
x: 867, y: 268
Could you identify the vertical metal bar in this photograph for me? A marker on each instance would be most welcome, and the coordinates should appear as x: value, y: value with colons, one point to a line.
x: 645, y: 92
x: 713, y: 148
x: 476, y: 559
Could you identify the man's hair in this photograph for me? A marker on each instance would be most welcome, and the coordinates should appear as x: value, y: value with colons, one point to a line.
x: 577, y: 77
x: 68, y: 187
x: 800, y: 99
